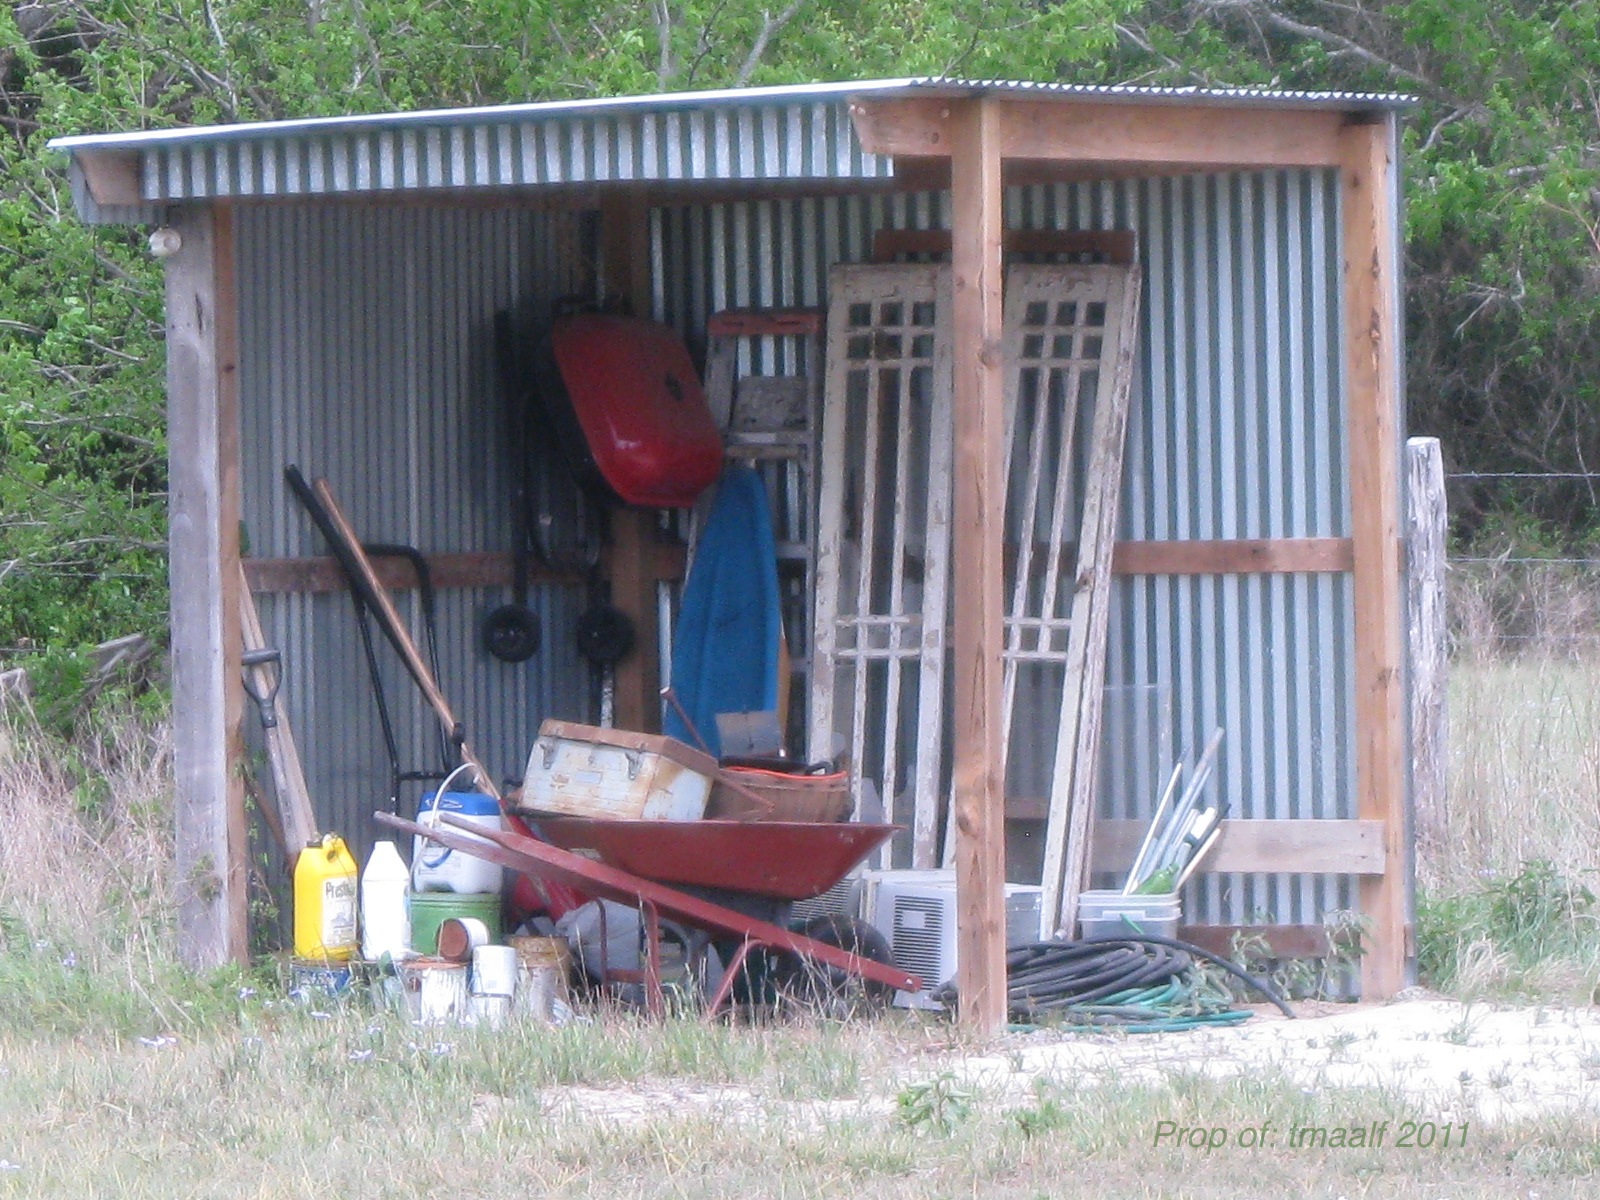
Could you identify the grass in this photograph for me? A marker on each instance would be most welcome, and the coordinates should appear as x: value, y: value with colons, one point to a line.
x: 121, y: 1074
x: 287, y: 1105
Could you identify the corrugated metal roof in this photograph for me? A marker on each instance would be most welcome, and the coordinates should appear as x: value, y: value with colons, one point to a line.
x: 1200, y: 97
x: 799, y: 133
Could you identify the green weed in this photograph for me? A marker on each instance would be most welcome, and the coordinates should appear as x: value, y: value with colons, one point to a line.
x: 935, y: 1105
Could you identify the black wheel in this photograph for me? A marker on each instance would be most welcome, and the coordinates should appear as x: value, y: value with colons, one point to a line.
x: 512, y: 633
x: 604, y: 635
x: 828, y: 991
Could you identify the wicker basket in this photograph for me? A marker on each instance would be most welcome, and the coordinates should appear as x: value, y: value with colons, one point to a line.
x: 813, y: 799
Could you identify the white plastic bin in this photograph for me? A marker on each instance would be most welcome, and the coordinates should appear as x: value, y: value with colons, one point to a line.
x: 1108, y: 913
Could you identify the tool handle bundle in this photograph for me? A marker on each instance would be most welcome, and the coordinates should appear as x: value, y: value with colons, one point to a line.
x: 1181, y: 832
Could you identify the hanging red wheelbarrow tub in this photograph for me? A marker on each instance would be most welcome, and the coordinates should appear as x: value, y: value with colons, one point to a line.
x: 630, y: 409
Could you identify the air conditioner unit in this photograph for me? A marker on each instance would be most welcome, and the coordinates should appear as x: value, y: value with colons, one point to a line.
x: 916, y: 911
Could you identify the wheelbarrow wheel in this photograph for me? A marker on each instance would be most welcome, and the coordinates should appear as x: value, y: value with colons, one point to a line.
x: 833, y: 992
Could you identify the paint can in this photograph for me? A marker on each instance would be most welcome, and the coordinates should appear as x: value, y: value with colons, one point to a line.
x: 543, y: 964
x: 460, y: 937
x: 431, y: 909
x: 494, y: 971
x: 317, y: 981
x: 435, y: 989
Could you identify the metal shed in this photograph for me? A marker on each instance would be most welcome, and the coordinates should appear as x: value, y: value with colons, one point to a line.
x: 329, y: 304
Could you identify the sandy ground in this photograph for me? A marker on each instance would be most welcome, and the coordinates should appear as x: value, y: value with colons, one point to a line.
x: 1494, y: 1063
x: 1453, y: 1061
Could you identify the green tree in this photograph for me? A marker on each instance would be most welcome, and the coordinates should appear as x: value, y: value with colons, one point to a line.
x: 82, y: 450
x: 1502, y: 162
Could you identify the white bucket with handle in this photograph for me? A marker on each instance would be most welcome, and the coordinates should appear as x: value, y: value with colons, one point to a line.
x: 436, y: 868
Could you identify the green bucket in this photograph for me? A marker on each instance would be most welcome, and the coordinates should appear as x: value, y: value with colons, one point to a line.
x: 429, y: 910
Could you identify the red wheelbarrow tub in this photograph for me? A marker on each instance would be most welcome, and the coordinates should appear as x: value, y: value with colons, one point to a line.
x: 782, y: 859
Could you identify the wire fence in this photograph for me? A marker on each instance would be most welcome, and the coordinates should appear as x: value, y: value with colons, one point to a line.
x: 1524, y: 589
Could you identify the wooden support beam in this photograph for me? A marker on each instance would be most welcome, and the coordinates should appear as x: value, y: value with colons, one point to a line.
x: 1280, y: 941
x: 1288, y: 847
x: 207, y: 687
x: 1153, y: 136
x: 978, y: 521
x: 625, y: 268
x: 625, y: 272
x: 1369, y: 196
x: 1239, y: 556
x: 112, y: 176
x: 1118, y: 246
x: 478, y: 569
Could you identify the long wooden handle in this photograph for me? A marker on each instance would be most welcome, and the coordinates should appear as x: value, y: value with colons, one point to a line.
x: 298, y: 818
x: 401, y: 635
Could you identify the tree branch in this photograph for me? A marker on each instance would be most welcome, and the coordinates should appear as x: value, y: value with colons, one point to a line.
x: 665, y: 69
x: 770, y: 28
x: 1260, y: 12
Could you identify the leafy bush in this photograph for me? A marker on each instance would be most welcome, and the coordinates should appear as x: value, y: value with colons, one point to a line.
x: 1499, y: 931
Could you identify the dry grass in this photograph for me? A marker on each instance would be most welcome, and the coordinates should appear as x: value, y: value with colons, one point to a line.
x: 1524, y: 727
x: 86, y: 837
x: 296, y: 1106
x: 1508, y: 859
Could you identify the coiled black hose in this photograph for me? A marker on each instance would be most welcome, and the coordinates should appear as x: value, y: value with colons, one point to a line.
x: 1046, y: 977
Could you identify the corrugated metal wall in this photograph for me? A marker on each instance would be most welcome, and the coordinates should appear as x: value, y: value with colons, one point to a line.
x: 1238, y: 433
x: 366, y: 352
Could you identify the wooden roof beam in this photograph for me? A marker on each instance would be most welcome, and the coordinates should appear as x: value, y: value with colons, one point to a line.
x: 1154, y: 137
x: 112, y: 176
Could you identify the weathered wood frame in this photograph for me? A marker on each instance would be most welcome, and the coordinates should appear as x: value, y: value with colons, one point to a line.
x: 977, y: 135
x: 203, y: 499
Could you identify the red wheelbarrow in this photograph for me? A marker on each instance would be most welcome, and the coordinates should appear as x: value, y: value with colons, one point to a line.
x: 758, y: 866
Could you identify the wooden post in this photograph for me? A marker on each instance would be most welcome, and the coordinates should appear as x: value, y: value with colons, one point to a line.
x: 625, y: 273
x: 1426, y: 645
x: 1372, y: 331
x: 207, y: 686
x: 978, y: 520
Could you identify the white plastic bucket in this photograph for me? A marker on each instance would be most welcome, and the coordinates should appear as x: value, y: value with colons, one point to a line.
x: 1107, y: 913
x: 436, y: 868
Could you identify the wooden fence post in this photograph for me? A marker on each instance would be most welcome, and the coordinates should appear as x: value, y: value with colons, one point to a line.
x: 1426, y: 635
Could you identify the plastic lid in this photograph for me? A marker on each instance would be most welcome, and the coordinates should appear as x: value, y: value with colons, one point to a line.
x: 472, y: 804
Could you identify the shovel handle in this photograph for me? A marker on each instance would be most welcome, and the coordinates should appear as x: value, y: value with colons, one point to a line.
x: 262, y: 685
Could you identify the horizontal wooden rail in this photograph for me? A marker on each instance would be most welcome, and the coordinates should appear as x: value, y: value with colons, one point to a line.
x: 1240, y: 556
x: 470, y: 570
x: 1290, y: 847
x: 1264, y: 556
x: 1113, y: 245
x: 1280, y: 941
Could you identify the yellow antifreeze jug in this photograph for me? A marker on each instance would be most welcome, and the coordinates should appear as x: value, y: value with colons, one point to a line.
x: 325, y: 892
